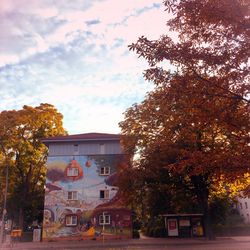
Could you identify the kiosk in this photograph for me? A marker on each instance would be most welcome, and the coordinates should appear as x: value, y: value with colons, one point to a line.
x: 184, y: 225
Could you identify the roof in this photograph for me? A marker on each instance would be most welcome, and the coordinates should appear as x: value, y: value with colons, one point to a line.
x: 181, y: 215
x: 114, y: 203
x: 83, y: 137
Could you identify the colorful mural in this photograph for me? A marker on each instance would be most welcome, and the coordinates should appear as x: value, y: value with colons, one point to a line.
x: 82, y: 199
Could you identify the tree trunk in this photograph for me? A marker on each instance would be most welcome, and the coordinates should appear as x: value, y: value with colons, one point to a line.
x: 21, y: 218
x: 208, y: 221
x: 202, y: 192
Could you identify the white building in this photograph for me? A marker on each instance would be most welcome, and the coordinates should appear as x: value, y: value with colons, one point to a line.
x: 243, y: 206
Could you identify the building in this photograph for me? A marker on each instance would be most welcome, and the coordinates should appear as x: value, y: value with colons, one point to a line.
x: 81, y: 196
x: 243, y: 207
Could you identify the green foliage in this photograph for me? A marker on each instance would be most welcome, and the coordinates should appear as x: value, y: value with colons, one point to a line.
x: 155, y: 227
x: 223, y: 212
x: 221, y: 208
x: 234, y: 218
x: 136, y: 224
x: 152, y: 190
x: 136, y: 234
x: 232, y: 230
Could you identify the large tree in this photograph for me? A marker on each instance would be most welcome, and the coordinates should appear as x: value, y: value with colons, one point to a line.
x: 197, y: 117
x: 22, y: 150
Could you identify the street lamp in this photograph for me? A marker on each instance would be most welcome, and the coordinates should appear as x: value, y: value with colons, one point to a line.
x: 4, y: 203
x: 103, y: 226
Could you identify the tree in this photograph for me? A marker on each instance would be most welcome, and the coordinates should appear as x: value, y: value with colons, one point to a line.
x: 21, y: 148
x: 199, y: 109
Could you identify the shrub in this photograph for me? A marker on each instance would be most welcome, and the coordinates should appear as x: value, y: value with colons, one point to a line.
x: 136, y: 234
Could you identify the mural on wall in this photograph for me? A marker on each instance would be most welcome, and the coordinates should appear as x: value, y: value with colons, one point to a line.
x: 82, y: 199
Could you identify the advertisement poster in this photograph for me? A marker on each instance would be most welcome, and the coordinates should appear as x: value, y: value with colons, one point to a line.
x: 172, y: 227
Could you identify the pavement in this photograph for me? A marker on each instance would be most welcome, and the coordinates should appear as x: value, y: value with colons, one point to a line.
x: 221, y: 243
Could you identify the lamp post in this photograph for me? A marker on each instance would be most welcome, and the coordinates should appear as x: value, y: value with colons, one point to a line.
x: 103, y: 226
x: 4, y: 203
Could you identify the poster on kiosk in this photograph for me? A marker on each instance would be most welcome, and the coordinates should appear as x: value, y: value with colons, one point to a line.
x: 172, y: 227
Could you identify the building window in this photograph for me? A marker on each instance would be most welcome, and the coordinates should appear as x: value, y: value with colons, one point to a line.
x: 104, y: 194
x: 246, y: 205
x: 104, y: 219
x: 105, y: 171
x: 71, y: 172
x: 71, y: 220
x: 72, y: 195
x: 240, y: 205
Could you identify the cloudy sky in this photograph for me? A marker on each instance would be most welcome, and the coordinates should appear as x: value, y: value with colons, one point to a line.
x: 74, y: 54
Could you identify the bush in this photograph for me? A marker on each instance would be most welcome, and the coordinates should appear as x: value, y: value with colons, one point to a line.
x: 234, y: 218
x: 155, y: 228
x: 136, y: 225
x: 159, y: 232
x: 136, y: 234
x: 231, y: 230
x: 220, y: 209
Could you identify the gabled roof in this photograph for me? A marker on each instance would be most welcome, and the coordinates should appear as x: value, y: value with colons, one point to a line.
x: 83, y: 137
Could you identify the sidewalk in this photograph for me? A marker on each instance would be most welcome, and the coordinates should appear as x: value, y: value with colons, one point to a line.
x: 123, y: 244
x: 237, y: 238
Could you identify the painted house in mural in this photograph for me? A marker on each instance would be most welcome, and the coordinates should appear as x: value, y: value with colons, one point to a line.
x: 81, y: 196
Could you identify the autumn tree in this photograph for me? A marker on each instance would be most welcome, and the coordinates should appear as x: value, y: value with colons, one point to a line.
x: 152, y: 190
x: 197, y: 116
x: 21, y: 148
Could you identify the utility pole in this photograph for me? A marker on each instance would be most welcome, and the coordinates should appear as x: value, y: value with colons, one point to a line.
x: 4, y: 203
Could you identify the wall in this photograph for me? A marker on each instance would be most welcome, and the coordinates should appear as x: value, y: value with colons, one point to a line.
x: 243, y: 206
x: 85, y: 208
x: 85, y: 148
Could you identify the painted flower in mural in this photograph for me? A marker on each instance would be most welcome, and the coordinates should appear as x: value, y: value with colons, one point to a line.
x: 73, y: 171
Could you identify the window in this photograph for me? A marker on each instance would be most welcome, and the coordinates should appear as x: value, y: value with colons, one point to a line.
x: 240, y: 205
x: 72, y: 172
x: 71, y: 220
x: 246, y: 205
x: 104, y: 194
x: 72, y: 195
x: 104, y: 219
x: 105, y: 171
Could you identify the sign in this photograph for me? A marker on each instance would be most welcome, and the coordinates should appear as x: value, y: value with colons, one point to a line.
x: 172, y: 227
x: 36, y: 235
x: 184, y: 223
x: 16, y: 233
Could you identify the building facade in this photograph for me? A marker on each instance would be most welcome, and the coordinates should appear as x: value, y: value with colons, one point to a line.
x: 243, y: 207
x: 82, y: 199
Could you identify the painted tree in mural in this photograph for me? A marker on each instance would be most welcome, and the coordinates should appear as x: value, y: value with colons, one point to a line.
x: 21, y: 148
x: 195, y: 123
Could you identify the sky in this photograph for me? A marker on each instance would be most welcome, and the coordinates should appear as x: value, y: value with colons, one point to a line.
x: 74, y: 55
